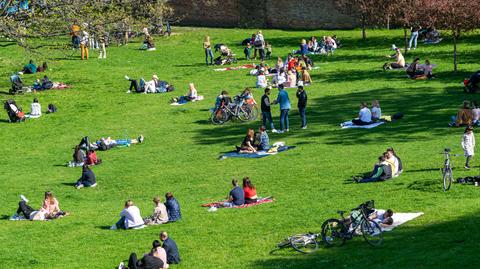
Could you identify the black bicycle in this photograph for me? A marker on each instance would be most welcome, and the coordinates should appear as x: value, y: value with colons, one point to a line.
x: 335, y: 232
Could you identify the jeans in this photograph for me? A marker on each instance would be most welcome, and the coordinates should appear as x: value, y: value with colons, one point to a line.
x: 303, y: 116
x: 359, y: 122
x: 267, y: 116
x: 208, y: 52
x: 25, y: 209
x: 262, y: 53
x: 121, y: 223
x: 123, y: 142
x: 284, y: 119
x: 133, y: 261
x: 133, y: 85
x: 372, y: 179
x: 413, y: 39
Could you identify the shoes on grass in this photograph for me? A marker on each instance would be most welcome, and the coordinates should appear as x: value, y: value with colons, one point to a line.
x: 126, y: 77
x: 304, y: 127
x: 121, y: 265
x: 23, y: 198
x: 467, y: 167
x: 114, y: 227
x: 141, y: 138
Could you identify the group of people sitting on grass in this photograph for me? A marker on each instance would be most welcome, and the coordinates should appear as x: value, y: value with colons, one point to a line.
x: 32, y: 68
x: 415, y: 70
x: 367, y: 116
x: 294, y: 71
x: 328, y: 44
x: 254, y: 142
x: 468, y: 114
x: 152, y: 86
x: 238, y: 196
x: 36, y: 109
x: 50, y: 209
x: 472, y: 84
x: 130, y: 217
x: 389, y: 165
x: 161, y: 256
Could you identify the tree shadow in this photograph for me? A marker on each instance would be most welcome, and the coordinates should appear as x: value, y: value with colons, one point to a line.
x: 69, y: 183
x: 4, y: 217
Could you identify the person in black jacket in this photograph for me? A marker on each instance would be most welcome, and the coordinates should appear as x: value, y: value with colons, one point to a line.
x: 88, y: 178
x: 147, y: 262
x: 173, y: 207
x: 266, y: 111
x: 381, y: 172
x: 302, y: 105
x: 170, y: 248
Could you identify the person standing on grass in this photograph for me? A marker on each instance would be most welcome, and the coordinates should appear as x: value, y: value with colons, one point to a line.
x: 259, y: 44
x: 207, y: 46
x: 84, y: 45
x: 247, y: 50
x: 413, y: 37
x: 285, y: 106
x: 302, y: 105
x: 266, y: 111
x: 173, y: 257
x: 468, y: 145
x: 102, y: 42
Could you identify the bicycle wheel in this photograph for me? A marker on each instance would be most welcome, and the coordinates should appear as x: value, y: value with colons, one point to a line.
x: 372, y: 233
x: 243, y: 113
x: 333, y: 231
x: 281, y: 245
x: 219, y: 117
x: 304, y: 243
x: 253, y: 112
x: 447, y: 178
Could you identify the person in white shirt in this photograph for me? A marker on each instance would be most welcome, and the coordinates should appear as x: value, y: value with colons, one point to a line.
x: 364, y: 116
x: 192, y: 92
x: 382, y: 217
x: 279, y: 78
x: 475, y: 112
x: 261, y: 80
x: 468, y: 145
x: 35, y: 110
x: 376, y: 110
x: 84, y: 45
x: 130, y: 218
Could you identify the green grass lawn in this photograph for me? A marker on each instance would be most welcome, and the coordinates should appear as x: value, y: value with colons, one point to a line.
x: 180, y: 155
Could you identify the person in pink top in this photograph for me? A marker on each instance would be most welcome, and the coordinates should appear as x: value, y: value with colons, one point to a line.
x: 50, y: 207
x: 161, y: 253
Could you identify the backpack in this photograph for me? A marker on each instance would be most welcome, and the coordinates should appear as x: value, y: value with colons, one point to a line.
x: 170, y: 88
x: 397, y: 116
x: 52, y: 108
x: 258, y: 42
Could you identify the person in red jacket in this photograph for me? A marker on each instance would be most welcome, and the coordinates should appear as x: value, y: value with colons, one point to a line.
x: 92, y: 158
x: 250, y: 191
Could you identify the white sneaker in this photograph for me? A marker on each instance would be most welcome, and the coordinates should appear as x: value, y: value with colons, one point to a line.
x: 304, y: 127
x: 279, y: 132
x: 141, y: 138
x: 287, y: 130
x: 79, y: 186
x: 126, y: 77
x: 23, y: 198
x: 128, y: 91
x: 94, y: 185
x: 212, y: 209
x: 274, y: 131
x: 121, y: 265
x: 114, y: 227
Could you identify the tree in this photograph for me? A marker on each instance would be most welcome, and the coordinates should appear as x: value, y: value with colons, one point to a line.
x: 455, y: 16
x: 367, y: 12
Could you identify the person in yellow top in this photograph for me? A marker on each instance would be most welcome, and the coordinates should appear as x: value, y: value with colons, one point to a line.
x: 399, y: 61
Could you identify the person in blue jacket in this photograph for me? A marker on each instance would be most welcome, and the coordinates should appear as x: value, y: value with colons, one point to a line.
x: 173, y: 208
x: 284, y: 101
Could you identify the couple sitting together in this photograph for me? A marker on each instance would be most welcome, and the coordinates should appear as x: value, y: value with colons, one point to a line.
x: 130, y: 217
x: 467, y: 115
x: 420, y: 71
x: 50, y: 209
x: 240, y: 196
x: 389, y: 165
x: 254, y: 142
x: 366, y: 116
x: 153, y: 86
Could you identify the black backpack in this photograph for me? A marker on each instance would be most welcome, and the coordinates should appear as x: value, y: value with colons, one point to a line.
x: 52, y: 108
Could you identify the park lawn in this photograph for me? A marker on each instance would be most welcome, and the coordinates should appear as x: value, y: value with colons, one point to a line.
x: 181, y: 149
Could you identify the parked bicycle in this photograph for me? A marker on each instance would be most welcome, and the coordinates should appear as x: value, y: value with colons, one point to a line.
x: 447, y: 173
x: 335, y: 232
x: 237, y: 109
x: 304, y: 243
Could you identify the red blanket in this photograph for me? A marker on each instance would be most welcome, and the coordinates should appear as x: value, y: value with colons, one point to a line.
x: 259, y: 202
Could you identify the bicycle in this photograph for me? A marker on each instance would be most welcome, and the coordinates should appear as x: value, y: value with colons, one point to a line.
x: 447, y: 173
x: 304, y: 243
x: 335, y: 232
x: 237, y: 109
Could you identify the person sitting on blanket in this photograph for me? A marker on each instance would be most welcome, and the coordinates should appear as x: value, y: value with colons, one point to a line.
x: 249, y: 191
x: 88, y: 178
x: 192, y: 92
x: 261, y: 80
x: 381, y: 172
x: 414, y: 70
x: 376, y: 110
x: 78, y: 157
x: 464, y: 116
x: 222, y: 99
x: 382, y: 217
x: 263, y: 139
x: 130, y: 217
x: 279, y: 78
x: 236, y: 197
x: 291, y: 79
x: 247, y: 145
x: 279, y: 65
x: 427, y: 70
x: 173, y: 208
x: 159, y: 216
x: 307, y: 80
x: 397, y: 162
x: 364, y: 116
x: 248, y: 97
x: 399, y: 61
x: 49, y: 209
x: 92, y: 158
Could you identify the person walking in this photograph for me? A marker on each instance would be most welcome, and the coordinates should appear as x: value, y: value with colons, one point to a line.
x: 468, y: 145
x: 302, y: 105
x: 266, y: 111
x: 208, y: 50
x: 284, y: 101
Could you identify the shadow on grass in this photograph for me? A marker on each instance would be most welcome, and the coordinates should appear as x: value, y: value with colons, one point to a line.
x: 103, y: 227
x: 4, y: 217
x: 422, y: 247
x: 69, y: 183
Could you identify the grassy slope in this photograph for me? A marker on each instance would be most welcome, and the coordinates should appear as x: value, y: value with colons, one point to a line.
x: 182, y: 146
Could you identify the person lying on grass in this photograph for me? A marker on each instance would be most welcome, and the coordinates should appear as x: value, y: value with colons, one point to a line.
x: 399, y: 61
x: 50, y: 209
x: 249, y: 191
x: 87, y: 179
x: 248, y: 144
x: 159, y: 216
x: 382, y: 171
x: 173, y: 208
x: 130, y: 217
x: 236, y: 196
x: 382, y: 217
x: 108, y: 143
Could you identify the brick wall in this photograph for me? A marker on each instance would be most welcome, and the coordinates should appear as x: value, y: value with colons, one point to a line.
x: 311, y: 14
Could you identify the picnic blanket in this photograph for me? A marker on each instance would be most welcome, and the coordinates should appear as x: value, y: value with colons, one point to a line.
x: 245, y: 66
x: 199, y: 98
x: 401, y: 218
x: 259, y: 202
x: 349, y: 124
x: 258, y: 154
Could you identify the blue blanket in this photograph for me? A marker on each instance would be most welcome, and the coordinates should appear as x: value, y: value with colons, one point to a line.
x: 258, y: 154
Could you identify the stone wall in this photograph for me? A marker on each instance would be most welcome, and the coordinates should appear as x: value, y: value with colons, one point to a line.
x: 311, y: 14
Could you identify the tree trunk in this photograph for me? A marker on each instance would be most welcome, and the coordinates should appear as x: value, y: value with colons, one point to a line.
x: 405, y: 40
x: 388, y: 22
x: 364, y: 33
x: 455, y: 52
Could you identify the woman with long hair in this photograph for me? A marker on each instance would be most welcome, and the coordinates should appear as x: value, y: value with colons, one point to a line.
x: 50, y: 207
x: 248, y: 143
x: 208, y: 50
x: 250, y: 191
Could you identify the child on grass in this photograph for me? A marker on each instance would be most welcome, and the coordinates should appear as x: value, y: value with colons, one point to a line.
x: 468, y: 145
x: 247, y: 51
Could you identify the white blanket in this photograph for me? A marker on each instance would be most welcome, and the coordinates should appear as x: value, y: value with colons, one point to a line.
x: 401, y: 218
x: 349, y: 124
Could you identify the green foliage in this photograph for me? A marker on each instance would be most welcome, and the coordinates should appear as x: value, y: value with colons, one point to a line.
x: 181, y: 150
